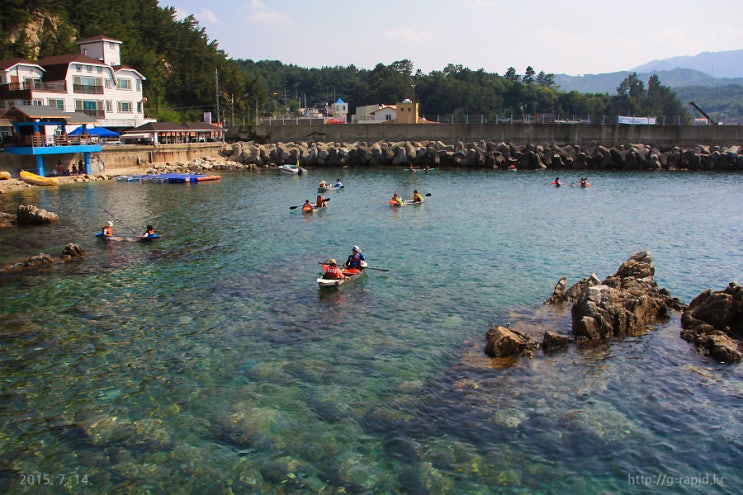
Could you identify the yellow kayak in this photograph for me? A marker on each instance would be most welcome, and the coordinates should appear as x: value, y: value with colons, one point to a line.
x: 38, y: 180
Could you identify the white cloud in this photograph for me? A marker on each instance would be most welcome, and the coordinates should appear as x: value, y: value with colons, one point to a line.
x: 208, y: 16
x: 261, y: 14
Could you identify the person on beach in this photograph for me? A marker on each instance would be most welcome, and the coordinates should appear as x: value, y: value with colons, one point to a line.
x: 107, y: 230
x: 355, y: 259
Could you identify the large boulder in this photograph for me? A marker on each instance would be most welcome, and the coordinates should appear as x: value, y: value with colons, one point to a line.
x: 31, y: 215
x: 623, y: 304
x: 504, y: 342
x: 713, y: 321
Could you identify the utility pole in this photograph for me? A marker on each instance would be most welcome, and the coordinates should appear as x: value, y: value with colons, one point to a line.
x: 216, y: 81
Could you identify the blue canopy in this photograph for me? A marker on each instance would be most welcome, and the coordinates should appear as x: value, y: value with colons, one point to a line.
x: 95, y: 131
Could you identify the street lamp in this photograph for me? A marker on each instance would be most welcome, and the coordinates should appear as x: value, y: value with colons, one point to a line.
x: 413, y: 86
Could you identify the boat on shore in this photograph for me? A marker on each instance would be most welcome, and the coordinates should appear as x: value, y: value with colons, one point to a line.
x: 38, y: 180
x: 4, y: 175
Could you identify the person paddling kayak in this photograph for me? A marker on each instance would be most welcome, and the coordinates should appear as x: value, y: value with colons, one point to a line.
x: 355, y: 259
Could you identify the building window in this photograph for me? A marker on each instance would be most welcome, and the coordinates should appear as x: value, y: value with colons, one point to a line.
x: 78, y: 67
x: 58, y: 104
x: 89, y: 68
x: 125, y: 107
x: 99, y: 69
x: 109, y: 106
x: 124, y: 84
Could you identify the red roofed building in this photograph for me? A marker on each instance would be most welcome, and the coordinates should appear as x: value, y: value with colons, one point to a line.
x: 92, y: 82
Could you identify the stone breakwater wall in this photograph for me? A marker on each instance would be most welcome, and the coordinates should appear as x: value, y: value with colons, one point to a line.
x: 486, y: 154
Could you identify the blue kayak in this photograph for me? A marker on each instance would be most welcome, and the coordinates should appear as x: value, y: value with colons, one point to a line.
x: 140, y: 238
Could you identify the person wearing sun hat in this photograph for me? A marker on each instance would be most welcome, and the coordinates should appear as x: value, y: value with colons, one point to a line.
x: 330, y: 267
x: 107, y: 229
x: 356, y: 259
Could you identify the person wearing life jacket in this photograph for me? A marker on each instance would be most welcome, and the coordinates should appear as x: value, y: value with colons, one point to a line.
x: 320, y: 202
x: 355, y: 259
x: 149, y: 232
x: 397, y: 200
x: 556, y: 182
x: 307, y: 206
x: 323, y: 184
x: 107, y: 230
x: 417, y: 198
x: 331, y: 270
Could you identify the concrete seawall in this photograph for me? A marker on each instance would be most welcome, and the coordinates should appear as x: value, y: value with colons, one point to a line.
x: 662, y: 137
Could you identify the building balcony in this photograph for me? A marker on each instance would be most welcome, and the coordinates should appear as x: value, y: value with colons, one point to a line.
x: 86, y: 89
x: 93, y: 112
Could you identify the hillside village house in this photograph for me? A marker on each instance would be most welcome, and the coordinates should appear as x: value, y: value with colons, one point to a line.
x: 92, y: 82
x: 404, y: 112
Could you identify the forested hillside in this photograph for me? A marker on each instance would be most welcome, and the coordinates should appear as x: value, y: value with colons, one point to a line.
x: 183, y: 67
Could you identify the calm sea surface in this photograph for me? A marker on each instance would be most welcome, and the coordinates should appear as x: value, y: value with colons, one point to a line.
x: 210, y: 363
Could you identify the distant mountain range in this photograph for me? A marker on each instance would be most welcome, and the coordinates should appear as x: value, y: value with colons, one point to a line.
x: 708, y: 69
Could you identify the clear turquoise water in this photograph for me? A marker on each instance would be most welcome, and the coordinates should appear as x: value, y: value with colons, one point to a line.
x: 209, y: 362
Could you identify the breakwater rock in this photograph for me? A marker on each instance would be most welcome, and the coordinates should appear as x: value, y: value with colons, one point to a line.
x: 486, y: 154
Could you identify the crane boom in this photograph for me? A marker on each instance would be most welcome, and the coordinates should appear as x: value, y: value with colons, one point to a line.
x: 709, y: 119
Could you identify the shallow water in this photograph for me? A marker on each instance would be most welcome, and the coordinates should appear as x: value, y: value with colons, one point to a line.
x: 209, y: 362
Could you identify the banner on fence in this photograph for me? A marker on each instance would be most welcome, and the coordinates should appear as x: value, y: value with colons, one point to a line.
x: 636, y: 120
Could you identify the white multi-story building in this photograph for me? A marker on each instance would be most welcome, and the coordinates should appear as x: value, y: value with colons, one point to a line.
x: 92, y: 82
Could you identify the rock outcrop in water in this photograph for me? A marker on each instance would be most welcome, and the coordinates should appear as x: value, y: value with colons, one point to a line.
x: 32, y: 215
x: 623, y: 304
x: 70, y: 252
x: 486, y: 154
x: 713, y: 321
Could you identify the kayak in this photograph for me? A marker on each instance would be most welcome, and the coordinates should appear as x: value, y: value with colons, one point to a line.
x: 4, y: 175
x: 38, y: 179
x: 329, y: 283
x: 139, y: 238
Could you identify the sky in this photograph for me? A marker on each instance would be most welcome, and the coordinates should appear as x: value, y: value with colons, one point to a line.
x: 573, y: 37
